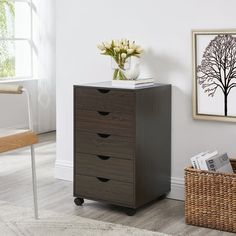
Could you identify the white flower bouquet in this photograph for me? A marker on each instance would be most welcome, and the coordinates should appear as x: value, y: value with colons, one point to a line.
x: 121, y: 51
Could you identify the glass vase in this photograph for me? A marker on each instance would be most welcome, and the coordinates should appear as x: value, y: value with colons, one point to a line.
x: 118, y: 71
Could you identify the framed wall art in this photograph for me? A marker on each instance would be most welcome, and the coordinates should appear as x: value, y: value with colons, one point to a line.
x: 214, y: 75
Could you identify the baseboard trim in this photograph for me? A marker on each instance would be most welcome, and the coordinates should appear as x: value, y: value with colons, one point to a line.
x: 64, y: 171
x: 177, y: 189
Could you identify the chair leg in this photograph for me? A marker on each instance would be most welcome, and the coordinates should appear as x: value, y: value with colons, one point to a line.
x: 34, y: 182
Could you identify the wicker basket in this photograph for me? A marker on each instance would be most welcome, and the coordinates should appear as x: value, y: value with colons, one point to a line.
x: 210, y: 199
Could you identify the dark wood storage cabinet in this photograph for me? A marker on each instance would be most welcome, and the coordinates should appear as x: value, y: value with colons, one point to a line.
x: 122, y: 144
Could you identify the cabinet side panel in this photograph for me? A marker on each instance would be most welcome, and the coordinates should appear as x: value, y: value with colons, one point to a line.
x: 75, y: 138
x: 153, y: 143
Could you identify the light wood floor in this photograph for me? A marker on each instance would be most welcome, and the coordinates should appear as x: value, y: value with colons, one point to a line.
x: 165, y: 216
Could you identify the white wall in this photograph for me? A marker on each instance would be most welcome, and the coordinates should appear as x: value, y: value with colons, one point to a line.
x: 164, y: 29
x: 43, y: 90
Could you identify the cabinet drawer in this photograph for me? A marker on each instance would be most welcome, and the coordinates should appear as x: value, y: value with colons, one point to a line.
x: 104, y: 144
x: 104, y: 189
x: 106, y: 100
x: 105, y: 122
x: 103, y: 166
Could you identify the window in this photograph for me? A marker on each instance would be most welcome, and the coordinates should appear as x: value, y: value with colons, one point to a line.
x: 16, y: 51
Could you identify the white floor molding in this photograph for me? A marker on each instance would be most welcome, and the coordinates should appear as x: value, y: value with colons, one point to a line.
x: 177, y: 189
x: 64, y: 170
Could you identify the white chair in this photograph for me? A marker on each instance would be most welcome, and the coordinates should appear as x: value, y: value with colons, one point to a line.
x: 14, y: 139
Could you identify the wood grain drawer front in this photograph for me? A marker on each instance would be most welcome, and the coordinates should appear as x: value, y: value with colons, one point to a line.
x: 104, y: 144
x: 105, y: 122
x: 103, y: 189
x: 104, y: 100
x: 103, y: 166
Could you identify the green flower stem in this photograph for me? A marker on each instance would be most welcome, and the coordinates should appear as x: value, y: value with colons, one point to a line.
x: 119, y: 74
x: 115, y: 74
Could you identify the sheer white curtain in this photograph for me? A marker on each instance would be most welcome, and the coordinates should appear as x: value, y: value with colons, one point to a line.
x: 44, y: 32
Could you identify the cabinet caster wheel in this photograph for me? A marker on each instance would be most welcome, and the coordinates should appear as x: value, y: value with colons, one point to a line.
x: 131, y: 212
x: 79, y: 201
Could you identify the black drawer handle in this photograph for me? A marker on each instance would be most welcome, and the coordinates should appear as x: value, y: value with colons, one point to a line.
x: 103, y: 157
x: 104, y: 90
x: 103, y: 135
x: 103, y: 113
x: 102, y: 179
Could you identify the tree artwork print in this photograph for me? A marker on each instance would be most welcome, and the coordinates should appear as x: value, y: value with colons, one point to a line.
x: 217, y: 70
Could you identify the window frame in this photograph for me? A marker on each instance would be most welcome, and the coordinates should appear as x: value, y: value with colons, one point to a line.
x: 28, y: 40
